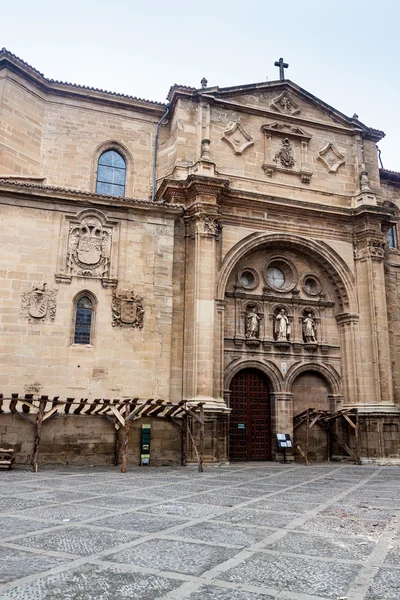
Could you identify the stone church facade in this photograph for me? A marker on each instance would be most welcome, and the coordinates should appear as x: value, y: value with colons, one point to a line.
x: 237, y: 246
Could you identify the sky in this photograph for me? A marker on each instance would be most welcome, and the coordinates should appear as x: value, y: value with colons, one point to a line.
x: 344, y: 52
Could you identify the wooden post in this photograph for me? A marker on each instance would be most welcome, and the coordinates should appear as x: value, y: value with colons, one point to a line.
x: 201, y: 454
x: 127, y: 428
x: 357, y: 436
x: 307, y: 437
x: 39, y: 422
x: 329, y: 444
x: 116, y: 445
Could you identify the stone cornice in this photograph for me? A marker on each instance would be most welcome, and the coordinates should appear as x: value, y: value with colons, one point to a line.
x: 84, y: 93
x: 48, y: 193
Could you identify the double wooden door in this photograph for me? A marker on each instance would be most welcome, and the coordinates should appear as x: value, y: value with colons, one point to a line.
x: 250, y: 419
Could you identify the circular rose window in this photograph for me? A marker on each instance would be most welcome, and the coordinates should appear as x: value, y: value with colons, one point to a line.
x: 280, y: 274
x: 275, y: 277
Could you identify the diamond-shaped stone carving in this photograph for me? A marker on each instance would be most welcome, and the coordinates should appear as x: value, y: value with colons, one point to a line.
x: 238, y: 138
x: 331, y: 157
x: 285, y: 104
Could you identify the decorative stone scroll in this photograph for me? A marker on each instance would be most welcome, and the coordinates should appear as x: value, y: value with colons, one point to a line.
x: 369, y: 248
x: 238, y: 138
x: 38, y: 303
x: 127, y: 310
x: 203, y: 224
x: 331, y: 157
x: 285, y: 105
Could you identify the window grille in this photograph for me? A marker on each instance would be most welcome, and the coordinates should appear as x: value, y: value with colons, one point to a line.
x: 111, y: 174
x: 83, y: 320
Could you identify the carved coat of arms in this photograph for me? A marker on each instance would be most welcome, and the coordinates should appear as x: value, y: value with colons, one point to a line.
x: 127, y: 310
x: 89, y: 247
x: 285, y: 154
x: 39, y: 302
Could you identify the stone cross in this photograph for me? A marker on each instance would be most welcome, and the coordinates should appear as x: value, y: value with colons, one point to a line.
x: 282, y: 65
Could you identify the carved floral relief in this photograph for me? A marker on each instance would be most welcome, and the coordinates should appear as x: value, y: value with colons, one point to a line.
x: 238, y: 138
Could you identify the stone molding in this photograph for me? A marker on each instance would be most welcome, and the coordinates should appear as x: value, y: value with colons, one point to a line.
x: 369, y: 248
x: 238, y: 138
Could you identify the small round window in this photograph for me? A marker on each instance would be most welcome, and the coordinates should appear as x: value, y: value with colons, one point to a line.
x: 247, y: 279
x: 275, y: 277
x: 311, y: 284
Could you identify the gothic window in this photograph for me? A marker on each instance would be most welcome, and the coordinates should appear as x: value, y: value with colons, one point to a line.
x: 83, y: 320
x: 111, y: 174
x: 392, y: 237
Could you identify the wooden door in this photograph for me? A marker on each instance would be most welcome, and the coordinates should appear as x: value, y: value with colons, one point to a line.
x: 250, y: 420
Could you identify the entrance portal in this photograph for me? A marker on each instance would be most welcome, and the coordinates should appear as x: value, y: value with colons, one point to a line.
x: 250, y: 420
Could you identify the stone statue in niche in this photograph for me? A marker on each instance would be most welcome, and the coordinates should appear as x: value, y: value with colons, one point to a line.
x: 282, y: 326
x: 39, y: 303
x: 285, y: 154
x: 309, y: 329
x: 252, y: 323
x: 89, y: 246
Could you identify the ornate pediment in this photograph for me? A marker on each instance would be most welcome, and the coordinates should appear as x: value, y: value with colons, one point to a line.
x: 285, y: 104
x: 237, y: 137
x: 285, y: 130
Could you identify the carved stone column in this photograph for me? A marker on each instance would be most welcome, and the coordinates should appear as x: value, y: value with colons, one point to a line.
x: 375, y: 368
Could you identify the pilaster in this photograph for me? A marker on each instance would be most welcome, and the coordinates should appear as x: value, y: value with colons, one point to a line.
x: 375, y: 368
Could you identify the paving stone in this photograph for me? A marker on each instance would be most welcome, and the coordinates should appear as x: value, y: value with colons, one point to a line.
x: 303, y: 575
x: 219, y: 499
x: 139, y: 522
x: 345, y: 526
x: 116, y: 502
x: 169, y: 555
x: 20, y: 563
x: 363, y: 511
x: 283, y: 506
x: 57, y: 496
x: 14, y: 503
x: 74, y: 540
x: 385, y: 585
x: 393, y: 556
x: 211, y: 592
x: 12, y: 525
x: 65, y: 511
x: 185, y: 509
x: 224, y: 534
x: 248, y: 516
x: 94, y: 582
x: 313, y: 545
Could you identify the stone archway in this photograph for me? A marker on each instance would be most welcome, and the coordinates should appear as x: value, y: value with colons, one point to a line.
x: 251, y: 418
x: 311, y: 389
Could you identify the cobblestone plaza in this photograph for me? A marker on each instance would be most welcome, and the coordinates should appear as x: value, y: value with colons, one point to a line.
x: 242, y: 532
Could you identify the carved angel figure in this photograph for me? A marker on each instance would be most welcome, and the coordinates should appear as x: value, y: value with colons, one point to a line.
x: 309, y: 329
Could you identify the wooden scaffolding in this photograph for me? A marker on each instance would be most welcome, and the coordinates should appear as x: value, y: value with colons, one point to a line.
x: 119, y: 413
x: 327, y: 420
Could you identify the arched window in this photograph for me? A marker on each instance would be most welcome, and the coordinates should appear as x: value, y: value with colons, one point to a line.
x: 111, y: 174
x: 392, y: 237
x: 83, y: 320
